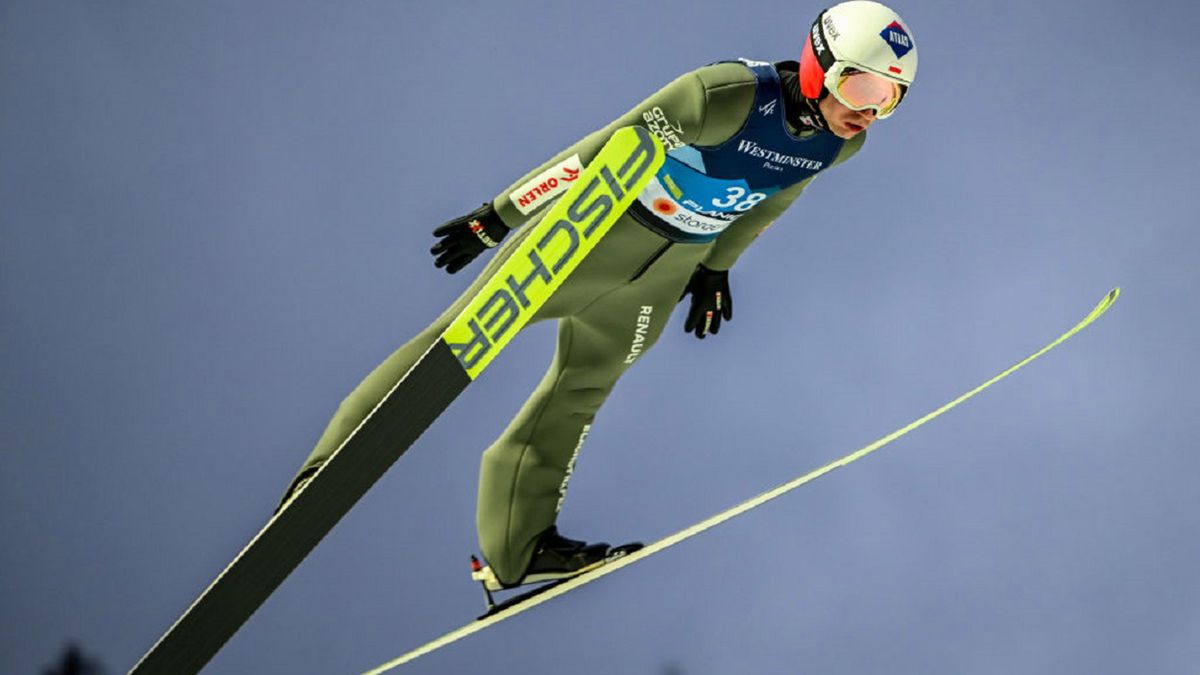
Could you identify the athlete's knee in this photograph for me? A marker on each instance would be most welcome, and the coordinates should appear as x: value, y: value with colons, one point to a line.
x: 631, y: 339
x: 584, y: 399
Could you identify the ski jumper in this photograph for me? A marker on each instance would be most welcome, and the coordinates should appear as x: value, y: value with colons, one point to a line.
x: 734, y: 165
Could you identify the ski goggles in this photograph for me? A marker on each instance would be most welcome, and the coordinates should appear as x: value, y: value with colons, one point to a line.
x: 860, y: 90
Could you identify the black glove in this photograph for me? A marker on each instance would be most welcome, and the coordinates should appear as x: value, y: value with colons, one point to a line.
x: 711, y: 301
x: 465, y: 238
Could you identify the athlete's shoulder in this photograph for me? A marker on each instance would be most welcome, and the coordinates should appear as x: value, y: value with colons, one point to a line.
x: 725, y: 92
x: 725, y: 75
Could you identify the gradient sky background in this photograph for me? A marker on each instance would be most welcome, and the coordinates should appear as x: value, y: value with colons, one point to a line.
x: 215, y: 220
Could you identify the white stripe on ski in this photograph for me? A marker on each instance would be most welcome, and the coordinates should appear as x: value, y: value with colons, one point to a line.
x: 576, y: 582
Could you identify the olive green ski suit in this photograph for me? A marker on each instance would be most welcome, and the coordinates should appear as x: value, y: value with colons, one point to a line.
x: 610, y: 311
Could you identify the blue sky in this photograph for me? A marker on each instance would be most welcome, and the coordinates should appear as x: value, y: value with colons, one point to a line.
x: 215, y: 220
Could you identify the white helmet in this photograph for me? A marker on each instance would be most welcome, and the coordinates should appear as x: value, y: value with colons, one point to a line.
x: 857, y: 36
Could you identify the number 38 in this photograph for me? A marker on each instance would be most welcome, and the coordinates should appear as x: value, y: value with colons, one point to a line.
x: 734, y: 198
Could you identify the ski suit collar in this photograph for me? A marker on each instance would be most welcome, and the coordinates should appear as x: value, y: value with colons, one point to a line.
x: 802, y: 113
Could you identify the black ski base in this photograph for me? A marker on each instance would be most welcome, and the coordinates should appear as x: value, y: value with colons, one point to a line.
x: 431, y: 385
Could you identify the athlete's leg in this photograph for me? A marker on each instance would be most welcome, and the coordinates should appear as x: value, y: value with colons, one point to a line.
x: 524, y: 473
x: 353, y: 410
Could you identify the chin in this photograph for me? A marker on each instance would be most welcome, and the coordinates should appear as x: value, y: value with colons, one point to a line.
x: 846, y: 133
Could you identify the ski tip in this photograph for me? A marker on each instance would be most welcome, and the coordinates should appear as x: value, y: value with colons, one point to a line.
x: 1102, y: 307
x: 1109, y: 299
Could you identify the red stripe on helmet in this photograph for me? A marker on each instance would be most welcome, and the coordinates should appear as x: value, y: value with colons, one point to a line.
x: 812, y: 75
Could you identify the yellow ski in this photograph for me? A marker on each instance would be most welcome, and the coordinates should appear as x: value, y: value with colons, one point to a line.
x: 559, y: 588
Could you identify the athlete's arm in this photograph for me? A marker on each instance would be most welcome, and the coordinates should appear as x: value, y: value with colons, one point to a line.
x: 464, y: 238
x: 732, y: 242
x: 709, y: 285
x: 736, y: 238
x: 711, y: 301
x: 679, y: 114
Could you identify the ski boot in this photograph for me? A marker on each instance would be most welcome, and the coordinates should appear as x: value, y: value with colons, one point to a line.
x: 555, y: 559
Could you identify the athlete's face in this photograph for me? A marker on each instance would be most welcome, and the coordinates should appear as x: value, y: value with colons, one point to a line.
x: 844, y: 122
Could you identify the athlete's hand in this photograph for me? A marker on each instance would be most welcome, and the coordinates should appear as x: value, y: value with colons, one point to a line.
x: 711, y: 301
x: 462, y: 239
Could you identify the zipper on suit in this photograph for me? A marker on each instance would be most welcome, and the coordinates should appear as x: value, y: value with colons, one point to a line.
x: 650, y: 261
